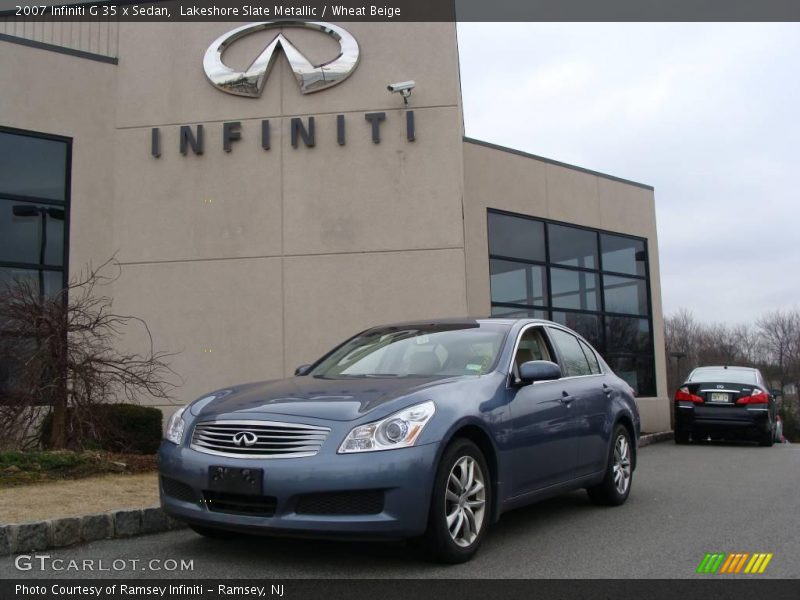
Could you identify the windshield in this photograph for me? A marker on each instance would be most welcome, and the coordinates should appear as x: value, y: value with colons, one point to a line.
x: 422, y: 351
x: 723, y: 375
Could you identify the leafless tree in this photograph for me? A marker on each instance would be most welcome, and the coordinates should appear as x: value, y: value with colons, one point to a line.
x: 65, y: 357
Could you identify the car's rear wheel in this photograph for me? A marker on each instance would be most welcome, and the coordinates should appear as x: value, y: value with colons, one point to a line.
x: 616, y: 485
x: 767, y: 438
x: 461, y: 504
x: 681, y: 437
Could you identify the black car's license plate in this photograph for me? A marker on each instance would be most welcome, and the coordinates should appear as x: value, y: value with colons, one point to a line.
x: 235, y: 480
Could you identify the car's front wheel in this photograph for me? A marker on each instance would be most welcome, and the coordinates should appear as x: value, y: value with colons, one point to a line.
x: 460, y: 504
x: 616, y: 485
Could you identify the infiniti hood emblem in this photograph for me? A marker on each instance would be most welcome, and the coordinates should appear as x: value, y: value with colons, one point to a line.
x: 245, y: 438
x: 310, y: 77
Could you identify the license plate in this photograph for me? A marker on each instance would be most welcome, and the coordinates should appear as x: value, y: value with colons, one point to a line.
x: 719, y: 397
x: 235, y: 480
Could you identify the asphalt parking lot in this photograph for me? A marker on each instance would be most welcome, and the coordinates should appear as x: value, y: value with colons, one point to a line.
x: 686, y: 501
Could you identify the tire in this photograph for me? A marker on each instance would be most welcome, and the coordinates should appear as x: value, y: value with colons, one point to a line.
x: 681, y: 437
x: 613, y: 491
x: 470, y: 507
x: 767, y: 438
x: 210, y: 532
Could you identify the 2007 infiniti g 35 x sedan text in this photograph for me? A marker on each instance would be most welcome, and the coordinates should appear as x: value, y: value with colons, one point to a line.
x: 427, y: 431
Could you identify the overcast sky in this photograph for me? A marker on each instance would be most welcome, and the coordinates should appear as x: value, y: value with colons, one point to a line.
x: 708, y: 114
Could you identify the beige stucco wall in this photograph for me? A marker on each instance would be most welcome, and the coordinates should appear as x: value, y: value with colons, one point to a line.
x: 523, y: 184
x: 249, y: 263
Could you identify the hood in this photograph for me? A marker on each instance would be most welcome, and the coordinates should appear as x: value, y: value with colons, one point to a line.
x: 332, y: 399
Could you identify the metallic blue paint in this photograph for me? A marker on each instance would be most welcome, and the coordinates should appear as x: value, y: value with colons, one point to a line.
x: 538, y: 445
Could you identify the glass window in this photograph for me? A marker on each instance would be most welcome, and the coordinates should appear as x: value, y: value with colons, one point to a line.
x: 594, y: 365
x: 514, y: 312
x: 587, y: 325
x: 33, y: 166
x: 626, y: 334
x: 721, y: 375
x: 574, y: 289
x: 573, y: 359
x: 625, y: 295
x: 53, y: 281
x: 516, y: 237
x: 637, y: 371
x: 623, y: 254
x: 21, y: 238
x: 573, y: 247
x: 517, y: 283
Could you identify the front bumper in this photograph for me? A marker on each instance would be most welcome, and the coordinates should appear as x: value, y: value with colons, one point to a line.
x: 404, y: 476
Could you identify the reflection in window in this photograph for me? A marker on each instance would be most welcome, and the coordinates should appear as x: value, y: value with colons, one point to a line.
x: 572, y: 247
x: 571, y: 264
x: 623, y: 254
x: 518, y: 283
x: 575, y: 363
x: 574, y: 289
x: 625, y: 295
x: 516, y: 238
x: 31, y: 231
x: 50, y: 281
x: 33, y: 166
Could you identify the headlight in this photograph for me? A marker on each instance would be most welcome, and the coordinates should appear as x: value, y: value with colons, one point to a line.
x: 175, y: 427
x: 395, y: 431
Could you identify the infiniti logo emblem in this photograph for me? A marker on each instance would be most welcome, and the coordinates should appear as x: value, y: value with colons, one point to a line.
x: 245, y: 438
x: 310, y: 77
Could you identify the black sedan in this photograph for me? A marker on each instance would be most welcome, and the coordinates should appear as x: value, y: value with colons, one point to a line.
x: 725, y: 403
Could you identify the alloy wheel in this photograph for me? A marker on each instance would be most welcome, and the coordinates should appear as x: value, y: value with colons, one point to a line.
x: 622, y: 464
x: 465, y: 501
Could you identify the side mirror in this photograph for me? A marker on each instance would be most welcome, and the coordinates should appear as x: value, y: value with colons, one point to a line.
x: 539, y: 370
x: 302, y: 370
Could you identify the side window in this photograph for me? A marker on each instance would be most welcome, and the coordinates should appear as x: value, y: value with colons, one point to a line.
x: 594, y: 365
x: 573, y: 358
x: 531, y: 347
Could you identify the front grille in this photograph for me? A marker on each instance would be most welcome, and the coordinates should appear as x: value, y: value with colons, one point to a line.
x: 240, y: 504
x: 177, y: 489
x: 258, y: 439
x: 367, y: 502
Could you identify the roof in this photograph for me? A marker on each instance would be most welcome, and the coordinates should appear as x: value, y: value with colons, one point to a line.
x: 469, y: 140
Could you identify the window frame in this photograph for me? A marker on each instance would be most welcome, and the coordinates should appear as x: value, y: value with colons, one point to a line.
x: 64, y: 204
x: 599, y: 272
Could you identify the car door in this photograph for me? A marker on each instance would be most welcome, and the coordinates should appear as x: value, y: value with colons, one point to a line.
x: 542, y: 437
x: 584, y: 382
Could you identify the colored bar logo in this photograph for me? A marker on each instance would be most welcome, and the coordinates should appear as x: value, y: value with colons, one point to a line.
x: 735, y: 562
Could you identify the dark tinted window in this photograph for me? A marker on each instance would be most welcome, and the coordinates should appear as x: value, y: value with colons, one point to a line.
x: 587, y: 325
x: 622, y: 254
x: 637, y: 371
x: 572, y: 247
x: 21, y: 238
x: 511, y: 312
x: 518, y: 283
x: 573, y: 359
x: 625, y: 334
x: 515, y: 237
x: 594, y: 365
x: 33, y: 166
x: 625, y: 295
x: 51, y: 280
x: 574, y: 289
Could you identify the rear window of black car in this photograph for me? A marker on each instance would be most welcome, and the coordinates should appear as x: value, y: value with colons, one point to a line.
x: 724, y: 375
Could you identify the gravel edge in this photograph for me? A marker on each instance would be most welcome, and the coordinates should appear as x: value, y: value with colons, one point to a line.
x: 68, y: 531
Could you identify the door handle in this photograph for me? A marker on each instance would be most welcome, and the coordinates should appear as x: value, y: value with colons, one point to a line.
x: 606, y: 390
x: 566, y: 398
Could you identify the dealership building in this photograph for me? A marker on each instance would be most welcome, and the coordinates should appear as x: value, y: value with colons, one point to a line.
x: 267, y: 196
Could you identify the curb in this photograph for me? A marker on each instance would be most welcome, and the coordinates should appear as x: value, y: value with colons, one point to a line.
x: 68, y: 531
x: 655, y: 438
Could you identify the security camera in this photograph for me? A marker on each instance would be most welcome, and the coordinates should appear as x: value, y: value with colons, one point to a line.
x: 404, y: 88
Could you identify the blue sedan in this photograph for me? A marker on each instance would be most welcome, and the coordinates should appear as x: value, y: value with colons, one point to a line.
x: 427, y: 431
